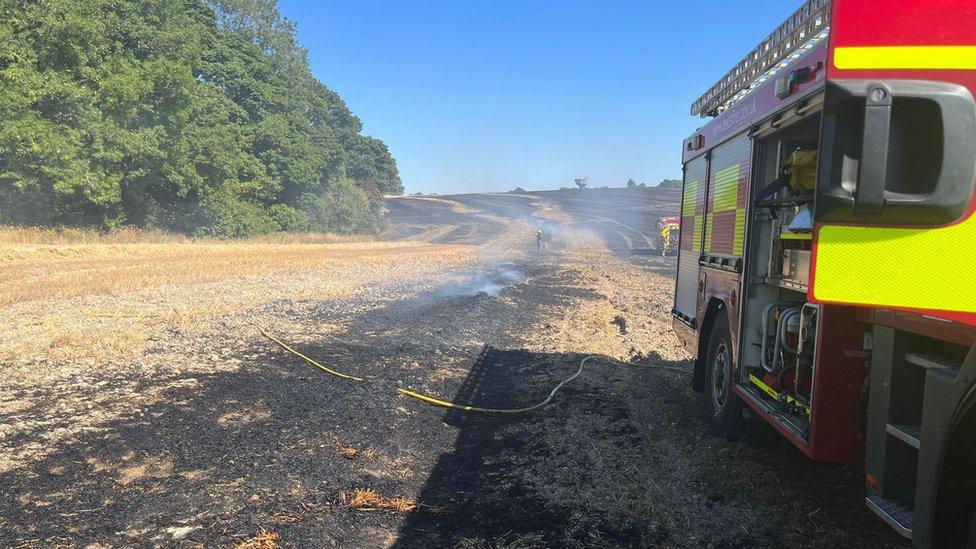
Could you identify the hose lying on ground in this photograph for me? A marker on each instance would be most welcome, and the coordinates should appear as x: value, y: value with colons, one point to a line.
x: 463, y: 407
x: 310, y: 360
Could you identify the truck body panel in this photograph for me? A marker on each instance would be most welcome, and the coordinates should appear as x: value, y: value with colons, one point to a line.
x: 926, y: 268
x: 853, y: 336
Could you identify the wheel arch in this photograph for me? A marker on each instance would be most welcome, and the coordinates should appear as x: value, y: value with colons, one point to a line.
x: 955, y: 490
x: 712, y: 309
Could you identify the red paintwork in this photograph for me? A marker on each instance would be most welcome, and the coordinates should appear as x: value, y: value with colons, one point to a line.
x: 686, y: 242
x: 902, y: 23
x: 951, y: 332
x: 687, y: 336
x: 801, y: 445
x: 842, y: 365
x: 723, y: 225
x: 721, y: 285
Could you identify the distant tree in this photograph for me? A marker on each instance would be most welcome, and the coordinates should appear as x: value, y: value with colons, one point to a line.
x: 643, y: 185
x: 670, y: 184
x: 582, y: 182
x: 518, y: 190
x: 631, y: 184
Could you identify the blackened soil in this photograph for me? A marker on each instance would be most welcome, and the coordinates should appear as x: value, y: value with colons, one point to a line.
x: 620, y: 459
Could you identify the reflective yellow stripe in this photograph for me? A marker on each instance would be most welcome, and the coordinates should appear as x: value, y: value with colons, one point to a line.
x: 798, y: 404
x: 690, y: 199
x: 726, y: 198
x: 738, y: 242
x: 709, y: 221
x: 795, y: 236
x: 906, y: 57
x: 766, y: 388
x: 689, y: 204
x: 696, y: 234
x: 776, y: 396
x: 930, y: 269
x: 726, y: 189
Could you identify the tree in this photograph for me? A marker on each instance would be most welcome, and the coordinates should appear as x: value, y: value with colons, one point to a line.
x: 631, y: 184
x: 198, y: 116
x: 670, y: 184
x: 582, y: 182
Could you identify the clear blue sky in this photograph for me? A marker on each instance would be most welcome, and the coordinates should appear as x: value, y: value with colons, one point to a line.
x: 487, y: 96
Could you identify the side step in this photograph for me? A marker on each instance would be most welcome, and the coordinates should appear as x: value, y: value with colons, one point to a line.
x: 932, y: 362
x: 909, y: 434
x: 908, y: 379
x: 896, y: 515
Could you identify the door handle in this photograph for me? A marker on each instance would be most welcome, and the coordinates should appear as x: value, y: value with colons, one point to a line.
x: 896, y: 152
x: 869, y: 194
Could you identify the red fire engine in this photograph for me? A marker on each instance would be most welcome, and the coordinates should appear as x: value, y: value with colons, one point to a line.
x: 828, y: 248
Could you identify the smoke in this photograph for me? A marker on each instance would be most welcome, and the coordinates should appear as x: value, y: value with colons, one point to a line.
x: 503, y: 228
x: 492, y: 283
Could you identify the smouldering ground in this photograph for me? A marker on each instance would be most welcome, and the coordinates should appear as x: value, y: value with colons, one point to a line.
x: 141, y: 408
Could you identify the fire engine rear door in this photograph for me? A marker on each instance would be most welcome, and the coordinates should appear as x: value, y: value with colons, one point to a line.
x: 896, y: 212
x: 690, y: 238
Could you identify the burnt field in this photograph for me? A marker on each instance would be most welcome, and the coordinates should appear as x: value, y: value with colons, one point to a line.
x: 141, y: 407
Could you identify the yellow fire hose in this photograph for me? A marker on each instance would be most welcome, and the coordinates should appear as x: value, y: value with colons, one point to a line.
x: 310, y: 360
x: 463, y: 407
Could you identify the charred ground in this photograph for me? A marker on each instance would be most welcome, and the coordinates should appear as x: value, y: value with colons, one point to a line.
x: 205, y: 434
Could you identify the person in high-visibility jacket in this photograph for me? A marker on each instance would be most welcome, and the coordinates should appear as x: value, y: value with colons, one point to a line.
x: 668, y: 230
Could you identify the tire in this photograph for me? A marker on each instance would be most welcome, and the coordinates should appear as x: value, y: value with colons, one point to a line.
x: 968, y: 509
x: 971, y: 542
x: 723, y: 408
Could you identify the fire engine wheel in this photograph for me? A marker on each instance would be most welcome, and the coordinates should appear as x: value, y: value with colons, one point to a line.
x: 723, y: 409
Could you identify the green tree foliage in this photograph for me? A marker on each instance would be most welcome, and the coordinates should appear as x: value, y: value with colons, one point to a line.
x: 670, y: 184
x: 198, y: 116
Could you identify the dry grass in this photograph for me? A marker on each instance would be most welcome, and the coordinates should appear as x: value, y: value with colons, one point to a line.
x: 264, y: 540
x: 68, y: 235
x: 351, y: 453
x: 367, y: 499
x: 79, y: 295
x: 45, y: 264
x: 70, y: 270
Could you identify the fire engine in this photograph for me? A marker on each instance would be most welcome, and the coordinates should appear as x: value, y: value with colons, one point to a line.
x: 827, y: 251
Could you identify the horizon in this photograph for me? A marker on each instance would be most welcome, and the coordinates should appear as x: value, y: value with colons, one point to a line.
x: 487, y: 98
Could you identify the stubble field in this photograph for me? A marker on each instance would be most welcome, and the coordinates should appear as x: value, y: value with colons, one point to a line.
x: 140, y: 405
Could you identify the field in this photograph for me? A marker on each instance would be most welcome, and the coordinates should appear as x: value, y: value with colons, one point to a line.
x: 141, y: 406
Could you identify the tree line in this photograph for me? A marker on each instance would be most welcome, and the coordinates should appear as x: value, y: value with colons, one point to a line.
x: 195, y: 116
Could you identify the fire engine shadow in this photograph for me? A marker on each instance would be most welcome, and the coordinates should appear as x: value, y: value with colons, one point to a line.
x: 621, y: 457
x: 501, y: 483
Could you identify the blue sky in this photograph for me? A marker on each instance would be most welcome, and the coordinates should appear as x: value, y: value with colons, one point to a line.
x: 487, y: 96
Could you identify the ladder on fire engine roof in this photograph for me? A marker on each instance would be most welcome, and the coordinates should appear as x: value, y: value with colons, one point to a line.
x: 807, y: 27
